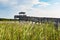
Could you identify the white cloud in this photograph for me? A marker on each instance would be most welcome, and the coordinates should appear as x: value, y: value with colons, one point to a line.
x: 42, y: 12
x: 26, y: 5
x: 13, y: 3
x: 35, y: 1
x: 44, y: 4
x: 40, y: 3
x: 4, y: 1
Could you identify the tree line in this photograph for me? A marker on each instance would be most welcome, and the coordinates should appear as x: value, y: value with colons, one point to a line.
x: 4, y: 19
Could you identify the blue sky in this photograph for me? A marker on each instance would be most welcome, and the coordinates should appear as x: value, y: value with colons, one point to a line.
x: 40, y: 8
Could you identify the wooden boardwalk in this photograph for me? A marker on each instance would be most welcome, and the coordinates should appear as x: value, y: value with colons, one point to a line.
x: 37, y: 19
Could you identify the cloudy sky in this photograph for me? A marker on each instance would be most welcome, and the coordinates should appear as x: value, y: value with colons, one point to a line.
x: 40, y: 8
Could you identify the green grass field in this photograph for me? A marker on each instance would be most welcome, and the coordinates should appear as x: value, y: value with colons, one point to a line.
x: 28, y: 31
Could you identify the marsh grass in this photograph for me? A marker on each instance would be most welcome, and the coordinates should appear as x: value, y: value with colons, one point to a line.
x: 28, y: 31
